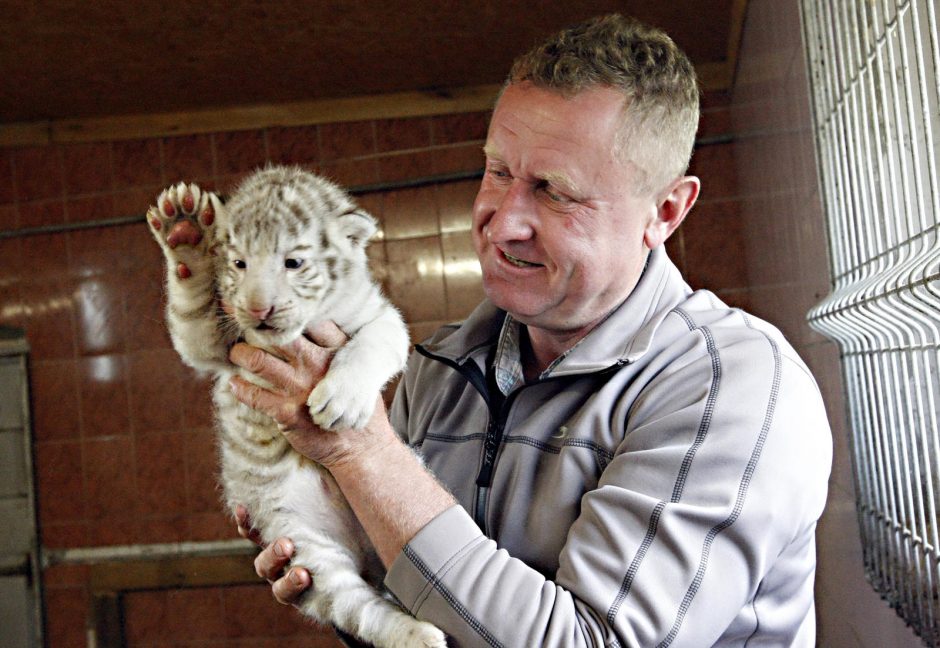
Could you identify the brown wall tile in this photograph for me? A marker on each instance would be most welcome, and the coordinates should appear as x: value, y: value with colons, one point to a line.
x: 110, y: 482
x: 66, y: 626
x: 188, y: 159
x: 54, y: 389
x: 464, y: 127
x: 402, y: 134
x: 455, y: 159
x: 65, y: 535
x: 38, y: 173
x: 7, y: 191
x: 161, y: 473
x: 713, y: 241
x: 406, y: 166
x: 239, y: 151
x: 155, y: 390
x: 137, y: 163
x: 103, y: 392
x: 87, y: 168
x: 39, y: 214
x: 49, y: 309
x: 714, y: 164
x: 97, y: 251
x: 347, y: 140
x: 60, y: 483
x: 351, y: 173
x: 202, y: 470
x: 9, y: 217
x: 295, y: 145
x: 145, y: 617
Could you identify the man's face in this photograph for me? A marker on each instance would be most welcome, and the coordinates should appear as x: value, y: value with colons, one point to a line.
x: 556, y: 225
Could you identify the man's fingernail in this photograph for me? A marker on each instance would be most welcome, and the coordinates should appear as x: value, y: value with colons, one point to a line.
x: 283, y: 549
x: 295, y: 577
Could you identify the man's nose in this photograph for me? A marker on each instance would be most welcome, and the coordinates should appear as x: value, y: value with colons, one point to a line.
x: 514, y: 216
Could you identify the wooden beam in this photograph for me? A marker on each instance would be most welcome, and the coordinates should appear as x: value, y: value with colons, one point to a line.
x: 195, y: 571
x: 713, y: 76
x: 295, y: 113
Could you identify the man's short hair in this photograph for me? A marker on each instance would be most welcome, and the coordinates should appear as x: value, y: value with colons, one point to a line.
x: 656, y: 78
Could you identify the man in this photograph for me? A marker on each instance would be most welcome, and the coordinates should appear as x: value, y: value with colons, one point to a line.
x: 621, y: 461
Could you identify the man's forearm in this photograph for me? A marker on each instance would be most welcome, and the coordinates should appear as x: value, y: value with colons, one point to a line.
x: 390, y: 491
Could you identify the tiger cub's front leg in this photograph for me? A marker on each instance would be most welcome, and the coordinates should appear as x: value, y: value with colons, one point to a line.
x: 182, y: 222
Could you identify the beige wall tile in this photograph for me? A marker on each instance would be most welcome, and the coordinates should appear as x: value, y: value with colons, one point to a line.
x: 462, y: 276
x: 416, y: 278
x: 455, y: 204
x: 410, y: 213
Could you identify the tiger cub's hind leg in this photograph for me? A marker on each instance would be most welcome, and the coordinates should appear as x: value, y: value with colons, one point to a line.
x: 340, y: 596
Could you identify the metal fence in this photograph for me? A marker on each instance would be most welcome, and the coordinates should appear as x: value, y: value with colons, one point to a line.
x: 873, y: 68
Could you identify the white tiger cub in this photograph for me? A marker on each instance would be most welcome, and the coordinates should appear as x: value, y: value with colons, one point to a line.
x: 287, y: 250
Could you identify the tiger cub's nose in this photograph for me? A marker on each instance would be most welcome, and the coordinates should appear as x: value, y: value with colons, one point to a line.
x: 262, y: 313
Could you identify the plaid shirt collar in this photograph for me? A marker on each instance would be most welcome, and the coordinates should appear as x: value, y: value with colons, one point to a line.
x: 507, y: 364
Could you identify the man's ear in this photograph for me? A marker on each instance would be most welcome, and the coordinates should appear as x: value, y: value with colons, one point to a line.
x: 674, y: 204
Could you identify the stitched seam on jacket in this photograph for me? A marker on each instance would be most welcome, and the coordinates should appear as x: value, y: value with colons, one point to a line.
x: 686, y: 465
x: 446, y: 567
x: 476, y: 436
x: 446, y: 594
x: 739, y: 500
x: 756, y: 618
x: 604, y: 455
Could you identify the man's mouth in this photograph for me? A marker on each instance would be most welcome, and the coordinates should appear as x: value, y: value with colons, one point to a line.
x: 519, y: 263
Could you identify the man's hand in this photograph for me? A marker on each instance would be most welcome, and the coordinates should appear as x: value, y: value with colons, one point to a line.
x: 288, y: 586
x: 292, y: 374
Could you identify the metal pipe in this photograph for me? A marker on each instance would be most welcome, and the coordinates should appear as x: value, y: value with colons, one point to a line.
x: 125, y: 553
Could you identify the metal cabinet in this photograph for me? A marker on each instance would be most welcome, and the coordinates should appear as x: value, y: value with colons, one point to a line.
x: 20, y: 582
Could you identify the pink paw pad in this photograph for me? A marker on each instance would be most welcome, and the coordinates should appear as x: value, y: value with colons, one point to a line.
x: 168, y: 208
x: 208, y: 216
x: 184, y: 233
x: 189, y: 203
x: 183, y: 271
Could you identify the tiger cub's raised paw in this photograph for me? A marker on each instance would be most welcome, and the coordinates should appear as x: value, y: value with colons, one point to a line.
x: 182, y: 222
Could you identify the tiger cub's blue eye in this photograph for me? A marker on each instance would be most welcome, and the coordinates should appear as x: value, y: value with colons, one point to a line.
x: 293, y: 264
x: 241, y: 265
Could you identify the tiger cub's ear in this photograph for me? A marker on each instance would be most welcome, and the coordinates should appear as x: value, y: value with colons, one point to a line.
x: 358, y: 227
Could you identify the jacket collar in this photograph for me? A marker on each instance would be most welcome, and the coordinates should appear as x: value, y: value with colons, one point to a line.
x: 622, y: 338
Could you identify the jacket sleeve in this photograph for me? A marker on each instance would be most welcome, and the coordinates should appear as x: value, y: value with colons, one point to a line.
x: 700, y: 527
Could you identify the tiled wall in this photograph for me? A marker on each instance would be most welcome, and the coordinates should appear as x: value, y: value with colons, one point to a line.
x: 788, y: 272
x: 124, y: 439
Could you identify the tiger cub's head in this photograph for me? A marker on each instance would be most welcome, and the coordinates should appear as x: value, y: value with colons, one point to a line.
x: 288, y: 242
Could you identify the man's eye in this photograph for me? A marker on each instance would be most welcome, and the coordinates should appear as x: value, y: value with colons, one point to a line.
x: 293, y: 264
x: 238, y: 263
x: 553, y: 195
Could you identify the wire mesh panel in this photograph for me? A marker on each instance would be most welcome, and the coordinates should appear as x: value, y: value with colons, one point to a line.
x: 873, y: 68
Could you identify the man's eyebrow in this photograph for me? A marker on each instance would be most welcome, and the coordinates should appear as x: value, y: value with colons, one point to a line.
x: 562, y: 181
x: 491, y: 152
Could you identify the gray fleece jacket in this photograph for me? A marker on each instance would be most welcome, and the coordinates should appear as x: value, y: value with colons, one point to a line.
x: 660, y: 486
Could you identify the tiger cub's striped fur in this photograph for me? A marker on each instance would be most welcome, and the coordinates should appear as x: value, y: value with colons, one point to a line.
x: 287, y: 250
